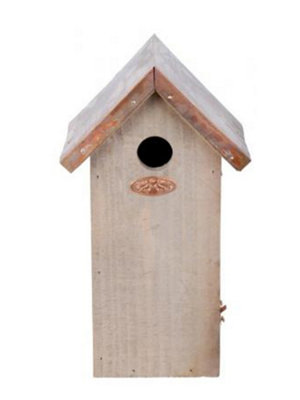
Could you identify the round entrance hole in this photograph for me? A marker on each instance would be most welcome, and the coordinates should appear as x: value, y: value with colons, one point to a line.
x: 154, y: 151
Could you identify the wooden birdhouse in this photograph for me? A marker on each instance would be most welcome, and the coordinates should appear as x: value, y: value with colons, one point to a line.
x: 155, y: 136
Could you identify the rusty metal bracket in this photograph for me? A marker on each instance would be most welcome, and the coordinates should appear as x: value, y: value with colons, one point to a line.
x: 223, y: 308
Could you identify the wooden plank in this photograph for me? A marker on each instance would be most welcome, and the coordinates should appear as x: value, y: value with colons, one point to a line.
x: 223, y: 144
x: 194, y: 93
x: 155, y: 259
x: 109, y: 98
x: 143, y: 90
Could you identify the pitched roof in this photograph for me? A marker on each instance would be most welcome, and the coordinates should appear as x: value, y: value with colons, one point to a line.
x: 154, y: 69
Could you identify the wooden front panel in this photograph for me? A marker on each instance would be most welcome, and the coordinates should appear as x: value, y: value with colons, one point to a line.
x: 156, y: 258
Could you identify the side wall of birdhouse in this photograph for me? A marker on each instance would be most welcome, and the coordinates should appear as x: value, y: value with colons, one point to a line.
x: 156, y: 258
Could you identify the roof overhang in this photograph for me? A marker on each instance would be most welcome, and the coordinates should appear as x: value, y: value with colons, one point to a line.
x: 154, y: 69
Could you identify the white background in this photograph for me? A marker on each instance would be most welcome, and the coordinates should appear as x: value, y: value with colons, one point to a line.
x: 55, y: 57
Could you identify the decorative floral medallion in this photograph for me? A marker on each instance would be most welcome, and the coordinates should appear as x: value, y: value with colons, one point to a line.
x: 153, y: 185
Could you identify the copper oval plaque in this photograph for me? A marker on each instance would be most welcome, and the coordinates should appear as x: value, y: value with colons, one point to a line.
x: 153, y: 185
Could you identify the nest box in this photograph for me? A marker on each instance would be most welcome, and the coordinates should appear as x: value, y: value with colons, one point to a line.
x: 156, y: 137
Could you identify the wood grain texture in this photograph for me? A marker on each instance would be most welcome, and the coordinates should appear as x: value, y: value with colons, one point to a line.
x: 154, y: 68
x: 155, y: 259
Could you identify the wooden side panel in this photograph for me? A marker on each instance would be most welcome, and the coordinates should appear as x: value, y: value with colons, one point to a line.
x: 156, y: 259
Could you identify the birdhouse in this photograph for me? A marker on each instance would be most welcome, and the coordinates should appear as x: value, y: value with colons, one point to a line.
x: 155, y: 136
